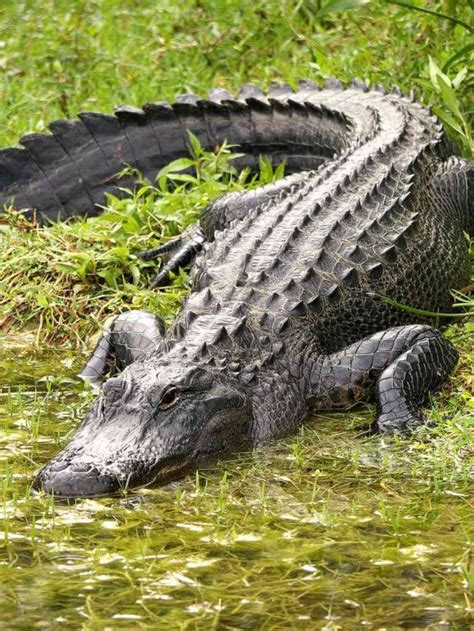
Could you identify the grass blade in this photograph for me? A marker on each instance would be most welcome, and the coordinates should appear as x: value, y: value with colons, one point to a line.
x: 443, y: 16
x: 423, y: 312
x: 340, y: 5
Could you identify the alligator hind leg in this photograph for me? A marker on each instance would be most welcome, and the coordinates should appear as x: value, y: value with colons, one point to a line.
x: 181, y: 252
x: 398, y: 367
x: 217, y: 215
x: 130, y: 337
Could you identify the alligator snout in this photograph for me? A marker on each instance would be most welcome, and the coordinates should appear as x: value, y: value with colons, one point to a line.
x: 75, y: 480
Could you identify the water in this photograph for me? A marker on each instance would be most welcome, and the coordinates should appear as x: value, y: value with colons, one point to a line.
x: 325, y: 530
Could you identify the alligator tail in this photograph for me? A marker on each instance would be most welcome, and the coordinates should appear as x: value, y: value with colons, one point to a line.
x: 69, y: 172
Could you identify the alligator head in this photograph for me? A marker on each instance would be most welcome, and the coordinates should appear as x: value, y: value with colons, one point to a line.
x: 149, y: 425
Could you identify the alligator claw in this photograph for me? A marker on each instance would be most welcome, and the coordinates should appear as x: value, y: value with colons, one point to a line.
x: 161, y: 278
x: 180, y: 253
x: 165, y: 248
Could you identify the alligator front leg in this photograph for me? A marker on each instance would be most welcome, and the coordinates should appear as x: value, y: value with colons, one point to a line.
x: 398, y: 367
x: 130, y: 337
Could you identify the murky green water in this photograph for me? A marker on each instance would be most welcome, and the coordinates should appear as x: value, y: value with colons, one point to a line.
x: 322, y: 531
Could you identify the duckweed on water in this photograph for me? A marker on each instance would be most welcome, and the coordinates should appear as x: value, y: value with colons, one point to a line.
x: 327, y: 529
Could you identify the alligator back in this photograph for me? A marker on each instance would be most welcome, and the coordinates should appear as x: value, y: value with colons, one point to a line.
x: 317, y: 252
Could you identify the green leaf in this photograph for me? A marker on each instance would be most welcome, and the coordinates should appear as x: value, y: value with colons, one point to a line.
x: 120, y: 252
x: 459, y: 54
x: 176, y: 166
x: 280, y: 171
x: 423, y: 312
x: 42, y: 300
x: 449, y: 97
x: 459, y: 78
x: 340, y: 5
x: 110, y: 216
x: 110, y: 275
x: 443, y: 16
x: 135, y: 271
x: 183, y: 178
x: 196, y: 148
x: 70, y: 270
x: 448, y: 120
x: 436, y: 73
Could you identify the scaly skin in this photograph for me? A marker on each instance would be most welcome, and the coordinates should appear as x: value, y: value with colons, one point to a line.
x: 285, y: 316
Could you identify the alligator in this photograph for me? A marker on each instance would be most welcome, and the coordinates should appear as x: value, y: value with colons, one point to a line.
x: 287, y: 314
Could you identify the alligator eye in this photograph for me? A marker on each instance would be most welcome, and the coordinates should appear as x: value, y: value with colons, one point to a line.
x: 169, y: 398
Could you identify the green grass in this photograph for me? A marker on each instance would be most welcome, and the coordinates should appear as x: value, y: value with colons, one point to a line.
x: 324, y: 530
x: 73, y: 276
x: 58, y: 58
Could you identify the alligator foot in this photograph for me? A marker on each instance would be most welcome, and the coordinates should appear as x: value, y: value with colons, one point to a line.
x: 177, y: 253
x: 399, y: 366
x: 404, y: 385
x: 130, y: 337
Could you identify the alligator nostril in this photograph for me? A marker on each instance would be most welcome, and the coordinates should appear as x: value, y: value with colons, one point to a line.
x: 58, y: 465
x: 81, y: 467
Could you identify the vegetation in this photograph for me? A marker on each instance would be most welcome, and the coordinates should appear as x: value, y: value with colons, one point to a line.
x: 325, y: 530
